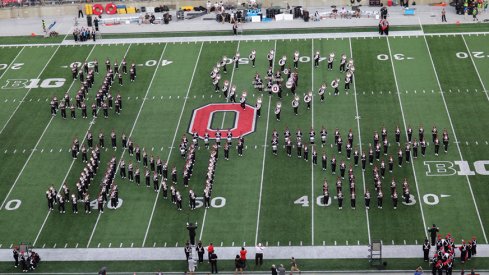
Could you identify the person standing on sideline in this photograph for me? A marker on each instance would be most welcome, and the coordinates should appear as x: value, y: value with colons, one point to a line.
x: 274, y: 270
x: 200, y: 251
x: 281, y: 270
x: 293, y: 266
x: 210, y: 250
x: 426, y: 249
x: 242, y: 256
x: 80, y: 11
x: 192, y: 263
x: 259, y: 254
x: 433, y: 231
x: 418, y: 271
x: 213, y: 261
x: 238, y: 265
x: 443, y: 15
x: 235, y: 28
x: 16, y: 257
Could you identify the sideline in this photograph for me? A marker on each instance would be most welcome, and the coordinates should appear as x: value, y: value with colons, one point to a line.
x: 247, y: 38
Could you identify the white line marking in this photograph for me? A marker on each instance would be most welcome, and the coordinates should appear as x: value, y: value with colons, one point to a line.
x: 360, y: 143
x: 312, y: 125
x: 69, y: 169
x: 264, y: 157
x: 455, y: 135
x: 174, y: 137
x: 132, y: 130
x: 405, y: 132
x: 476, y: 70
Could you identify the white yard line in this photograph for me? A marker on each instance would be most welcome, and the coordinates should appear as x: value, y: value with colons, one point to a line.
x: 26, y: 94
x: 405, y: 131
x: 453, y: 129
x: 360, y: 142
x: 264, y: 155
x: 473, y: 63
x: 222, y: 125
x: 174, y: 138
x: 130, y: 133
x: 38, y: 141
x: 312, y: 125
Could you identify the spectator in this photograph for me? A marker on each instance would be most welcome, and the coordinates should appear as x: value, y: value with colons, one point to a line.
x: 192, y: 263
x: 274, y: 270
x: 259, y: 254
x: 238, y: 265
x: 443, y: 15
x: 80, y: 11
x: 281, y: 270
x: 242, y: 254
x: 213, y: 261
x: 294, y: 267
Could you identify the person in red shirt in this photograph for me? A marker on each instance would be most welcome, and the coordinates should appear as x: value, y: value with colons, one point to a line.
x: 242, y: 255
x: 210, y: 250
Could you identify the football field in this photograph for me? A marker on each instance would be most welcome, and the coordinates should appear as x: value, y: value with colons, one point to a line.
x: 411, y: 81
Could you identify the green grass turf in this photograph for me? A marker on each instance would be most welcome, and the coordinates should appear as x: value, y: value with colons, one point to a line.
x: 9, y: 40
x: 258, y: 190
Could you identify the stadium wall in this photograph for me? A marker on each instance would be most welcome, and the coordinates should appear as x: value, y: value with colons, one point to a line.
x: 62, y: 10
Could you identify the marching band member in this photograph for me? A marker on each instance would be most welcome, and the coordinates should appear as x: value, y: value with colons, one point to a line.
x: 223, y: 64
x: 225, y: 88
x: 242, y: 100
x: 330, y: 61
x: 252, y: 57
x: 282, y: 63
x: 278, y: 109
x: 321, y: 91
x: 347, y: 81
x: 296, y: 60
x: 270, y: 57
x: 258, y: 106
x: 295, y: 104
x: 334, y: 85
x: 343, y: 63
x: 236, y: 61
x: 317, y: 56
x: 232, y: 94
x: 308, y: 99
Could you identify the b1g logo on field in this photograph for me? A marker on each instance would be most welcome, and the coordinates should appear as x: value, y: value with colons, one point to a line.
x: 244, y: 120
x: 461, y: 168
x: 34, y: 83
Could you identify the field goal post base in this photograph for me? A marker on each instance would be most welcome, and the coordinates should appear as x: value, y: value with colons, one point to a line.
x: 375, y: 249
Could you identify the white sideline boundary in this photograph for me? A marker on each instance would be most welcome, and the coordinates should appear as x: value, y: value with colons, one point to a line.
x: 246, y: 38
x: 228, y: 253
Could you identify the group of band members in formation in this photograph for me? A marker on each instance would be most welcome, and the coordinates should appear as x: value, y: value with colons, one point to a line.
x: 155, y: 170
x: 103, y: 98
x: 107, y: 188
x: 275, y: 80
x: 379, y: 146
x: 444, y: 257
